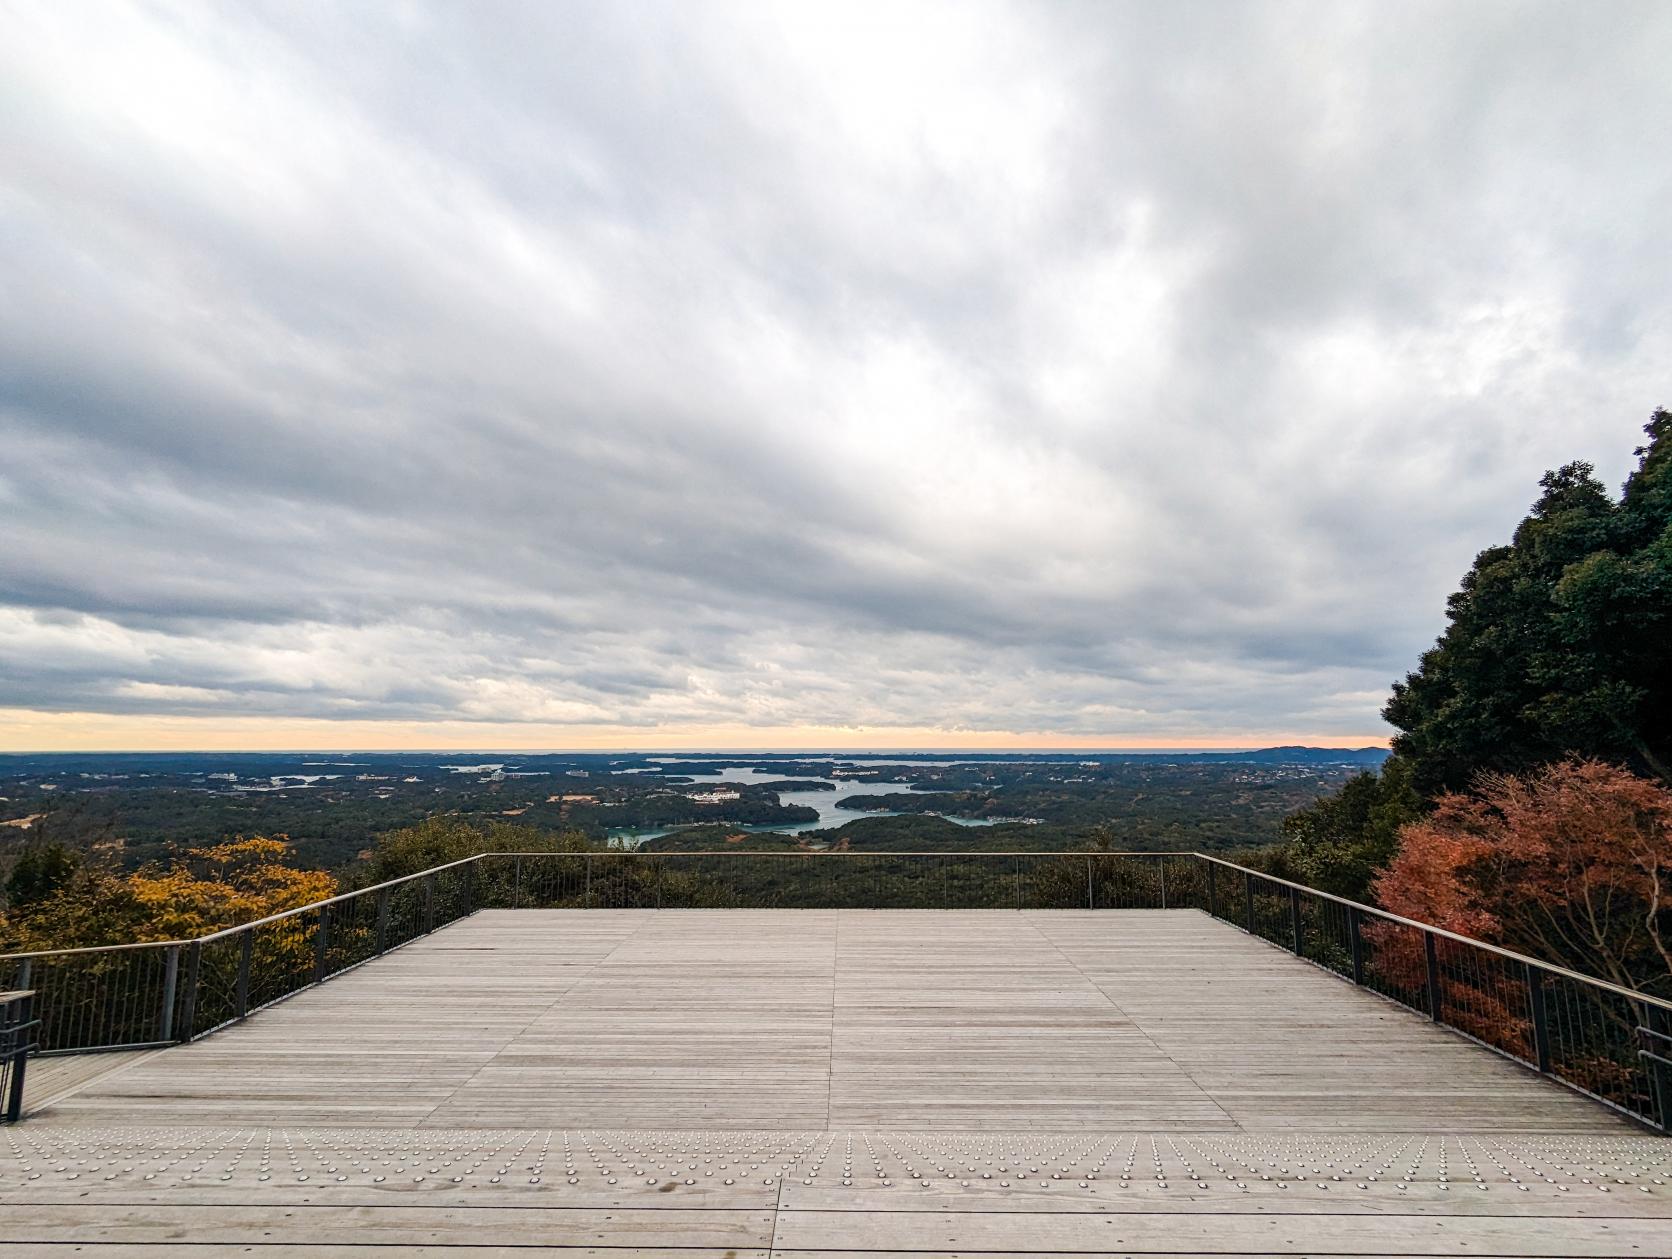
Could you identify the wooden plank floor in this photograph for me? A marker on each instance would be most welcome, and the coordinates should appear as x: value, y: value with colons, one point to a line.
x: 828, y: 1083
x: 810, y: 1019
x: 48, y: 1079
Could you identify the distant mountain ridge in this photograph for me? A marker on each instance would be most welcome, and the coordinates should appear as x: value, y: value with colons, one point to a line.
x: 1298, y: 755
x: 14, y: 764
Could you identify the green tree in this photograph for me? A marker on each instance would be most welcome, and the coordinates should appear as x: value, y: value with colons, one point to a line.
x: 439, y: 840
x: 1338, y: 843
x: 1556, y: 645
x: 206, y: 889
x: 39, y: 873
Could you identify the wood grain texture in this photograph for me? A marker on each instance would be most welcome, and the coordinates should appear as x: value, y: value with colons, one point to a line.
x: 828, y: 1083
x: 1033, y: 1020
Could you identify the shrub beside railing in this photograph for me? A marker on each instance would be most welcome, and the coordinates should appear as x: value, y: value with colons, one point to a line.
x: 1609, y: 1042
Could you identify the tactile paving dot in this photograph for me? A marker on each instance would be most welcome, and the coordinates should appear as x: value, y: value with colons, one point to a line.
x: 1096, y: 1166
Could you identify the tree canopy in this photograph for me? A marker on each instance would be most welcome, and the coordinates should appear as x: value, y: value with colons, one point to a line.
x: 1556, y: 644
x: 1571, y: 862
x: 79, y: 904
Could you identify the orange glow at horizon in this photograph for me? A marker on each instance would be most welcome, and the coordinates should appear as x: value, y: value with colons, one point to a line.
x: 23, y: 730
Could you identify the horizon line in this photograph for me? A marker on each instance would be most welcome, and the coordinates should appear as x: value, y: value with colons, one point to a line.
x: 815, y: 750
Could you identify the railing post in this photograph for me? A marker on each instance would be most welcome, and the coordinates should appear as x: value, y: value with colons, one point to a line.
x: 1294, y: 922
x: 322, y: 941
x: 1091, y: 900
x: 1658, y: 1059
x: 588, y: 863
x: 516, y: 884
x: 1213, y: 888
x: 383, y: 920
x: 1538, y: 1016
x: 1161, y: 867
x: 25, y: 972
x: 1248, y: 900
x: 16, y: 1019
x: 429, y: 904
x: 1355, y: 939
x: 246, y: 944
x: 194, y: 968
x: 171, y: 980
x: 1432, y: 956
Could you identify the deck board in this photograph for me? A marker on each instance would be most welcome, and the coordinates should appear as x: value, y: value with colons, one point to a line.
x: 1036, y: 1020
x: 828, y: 1083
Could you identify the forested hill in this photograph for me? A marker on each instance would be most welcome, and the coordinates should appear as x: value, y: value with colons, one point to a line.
x: 136, y: 808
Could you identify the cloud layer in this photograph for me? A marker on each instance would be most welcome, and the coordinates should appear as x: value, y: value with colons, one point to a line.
x: 1129, y: 371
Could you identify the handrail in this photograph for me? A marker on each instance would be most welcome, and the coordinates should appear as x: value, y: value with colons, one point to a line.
x: 255, y: 922
x: 102, y: 948
x: 539, y: 852
x: 1549, y: 968
x: 1590, y: 1034
x: 341, y: 896
x: 845, y: 852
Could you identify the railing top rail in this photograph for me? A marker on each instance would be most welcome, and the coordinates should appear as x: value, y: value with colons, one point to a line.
x: 95, y: 948
x: 340, y: 897
x: 1549, y: 968
x: 963, y: 854
x: 259, y: 922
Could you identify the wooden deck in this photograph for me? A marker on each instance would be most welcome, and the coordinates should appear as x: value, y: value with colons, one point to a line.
x: 829, y: 1082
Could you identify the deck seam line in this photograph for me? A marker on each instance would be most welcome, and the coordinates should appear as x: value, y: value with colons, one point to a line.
x: 830, y: 1064
x: 523, y: 1030
x: 1136, y: 1026
x: 36, y: 1107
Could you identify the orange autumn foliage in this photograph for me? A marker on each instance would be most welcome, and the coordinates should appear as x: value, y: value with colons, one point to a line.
x: 209, y: 888
x: 1571, y: 864
x: 230, y: 883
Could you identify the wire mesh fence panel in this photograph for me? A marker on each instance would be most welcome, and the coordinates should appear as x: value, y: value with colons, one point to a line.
x: 495, y: 881
x: 1595, y: 1044
x: 1183, y: 881
x: 1056, y: 882
x: 1484, y: 995
x: 455, y: 893
x: 1609, y: 1042
x: 405, y: 915
x: 282, y: 957
x: 96, y: 999
x: 215, y: 999
x: 1326, y: 934
x: 1394, y: 962
x: 1267, y: 910
x: 351, y: 935
x: 1121, y: 881
x: 817, y: 880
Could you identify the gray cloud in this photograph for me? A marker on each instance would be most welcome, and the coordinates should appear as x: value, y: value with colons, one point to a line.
x: 1122, y: 370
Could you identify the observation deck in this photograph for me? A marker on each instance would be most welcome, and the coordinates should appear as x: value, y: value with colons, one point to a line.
x: 832, y: 1082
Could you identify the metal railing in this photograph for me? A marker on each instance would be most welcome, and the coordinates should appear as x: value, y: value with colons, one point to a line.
x: 1612, y: 1043
x: 139, y: 996
x: 17, y: 1025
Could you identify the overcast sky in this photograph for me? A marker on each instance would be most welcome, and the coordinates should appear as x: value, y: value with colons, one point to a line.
x: 444, y: 374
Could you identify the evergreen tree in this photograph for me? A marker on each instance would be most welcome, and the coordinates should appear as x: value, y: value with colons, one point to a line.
x: 1557, y: 644
x: 1340, y: 842
x: 39, y: 873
